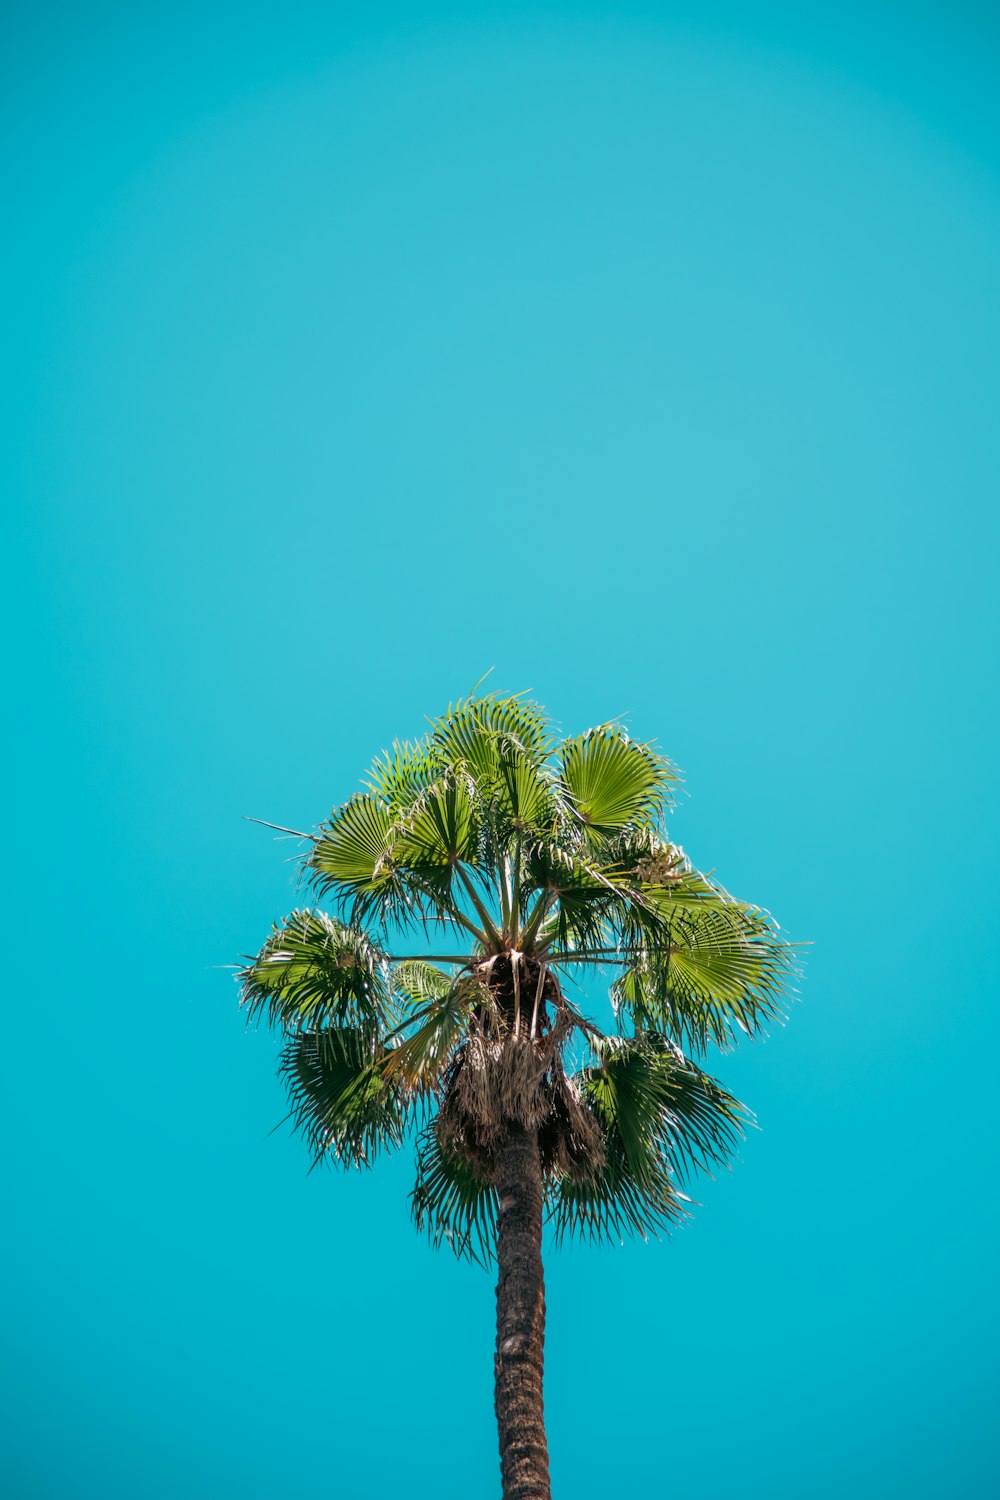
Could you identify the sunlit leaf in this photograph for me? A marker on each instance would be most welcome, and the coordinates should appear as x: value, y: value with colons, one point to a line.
x: 352, y: 851
x: 314, y: 970
x: 440, y: 828
x: 712, y: 970
x: 471, y: 731
x: 613, y: 781
x: 341, y: 1099
x: 432, y: 1031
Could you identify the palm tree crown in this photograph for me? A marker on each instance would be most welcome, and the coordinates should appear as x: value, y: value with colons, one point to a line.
x: 521, y: 861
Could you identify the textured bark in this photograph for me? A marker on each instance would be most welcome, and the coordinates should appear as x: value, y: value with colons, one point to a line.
x: 524, y: 1456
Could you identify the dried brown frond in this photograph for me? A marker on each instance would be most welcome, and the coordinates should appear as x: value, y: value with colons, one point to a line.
x: 495, y: 1081
x: 569, y: 1139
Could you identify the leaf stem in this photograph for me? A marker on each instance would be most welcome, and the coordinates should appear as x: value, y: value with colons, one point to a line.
x: 536, y: 918
x: 465, y: 959
x: 542, y: 971
x: 263, y: 823
x: 515, y: 969
x: 504, y: 884
x: 493, y: 937
x: 515, y: 899
x: 463, y: 921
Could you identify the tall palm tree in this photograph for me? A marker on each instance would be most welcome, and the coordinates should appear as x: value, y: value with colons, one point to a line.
x: 524, y: 864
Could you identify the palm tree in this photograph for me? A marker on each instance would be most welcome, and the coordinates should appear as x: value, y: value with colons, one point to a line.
x: 525, y: 864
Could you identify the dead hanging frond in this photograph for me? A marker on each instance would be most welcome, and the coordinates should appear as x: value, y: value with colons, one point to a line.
x: 569, y: 1139
x: 543, y: 973
x: 493, y: 1081
x: 496, y: 1079
x: 550, y: 1046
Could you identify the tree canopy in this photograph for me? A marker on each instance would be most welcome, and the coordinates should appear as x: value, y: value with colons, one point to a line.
x: 478, y: 873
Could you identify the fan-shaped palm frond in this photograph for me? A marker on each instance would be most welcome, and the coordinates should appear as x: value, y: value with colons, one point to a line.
x: 707, y: 970
x: 505, y: 752
x: 440, y: 827
x: 613, y: 781
x: 314, y: 970
x: 351, y: 855
x: 574, y: 900
x: 398, y: 776
x: 436, y: 1026
x: 659, y: 1117
x: 416, y: 982
x: 451, y: 1203
x: 704, y: 1122
x: 342, y: 1100
x: 393, y: 865
x: 470, y: 731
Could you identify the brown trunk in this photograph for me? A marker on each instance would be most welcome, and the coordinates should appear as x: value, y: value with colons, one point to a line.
x: 524, y: 1456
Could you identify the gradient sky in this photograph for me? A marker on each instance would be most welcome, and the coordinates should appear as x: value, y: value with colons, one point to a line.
x: 650, y: 355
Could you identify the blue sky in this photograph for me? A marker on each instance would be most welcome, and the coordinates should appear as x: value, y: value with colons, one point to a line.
x: 645, y: 353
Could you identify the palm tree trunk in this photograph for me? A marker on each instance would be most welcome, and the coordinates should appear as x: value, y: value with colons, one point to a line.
x: 524, y: 1455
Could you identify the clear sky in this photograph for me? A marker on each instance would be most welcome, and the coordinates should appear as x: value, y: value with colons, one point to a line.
x: 650, y: 354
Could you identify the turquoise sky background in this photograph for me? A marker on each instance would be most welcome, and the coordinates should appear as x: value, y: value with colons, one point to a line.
x: 649, y: 354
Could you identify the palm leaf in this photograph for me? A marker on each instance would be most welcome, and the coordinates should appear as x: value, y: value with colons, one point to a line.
x: 613, y: 781
x: 314, y: 970
x: 613, y: 1203
x: 352, y: 850
x: 418, y: 982
x: 524, y: 795
x: 439, y: 828
x: 711, y: 970
x: 437, y: 1024
x: 660, y: 1117
x: 399, y: 775
x: 704, y: 1123
x: 341, y: 1100
x: 503, y: 744
x: 586, y: 901
x: 451, y: 1203
x: 631, y: 1191
x: 470, y: 731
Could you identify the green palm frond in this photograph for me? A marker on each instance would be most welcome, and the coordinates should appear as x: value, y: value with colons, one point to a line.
x: 579, y: 922
x: 451, y: 1203
x: 540, y: 858
x: 613, y: 1204
x: 313, y: 971
x: 626, y: 1090
x: 705, y: 1123
x: 613, y: 781
x: 584, y: 901
x: 702, y: 1124
x: 417, y: 982
x: 399, y: 775
x: 392, y: 866
x: 351, y: 854
x: 708, y: 969
x: 470, y: 731
x: 525, y: 794
x: 341, y: 1099
x: 440, y: 827
x: 435, y: 1027
x: 504, y: 746
x: 660, y: 1118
